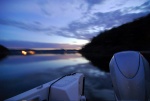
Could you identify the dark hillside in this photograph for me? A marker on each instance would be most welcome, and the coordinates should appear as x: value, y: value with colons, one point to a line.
x: 131, y: 36
x: 3, y: 52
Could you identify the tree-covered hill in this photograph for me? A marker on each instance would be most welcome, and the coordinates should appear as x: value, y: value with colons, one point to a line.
x: 131, y: 36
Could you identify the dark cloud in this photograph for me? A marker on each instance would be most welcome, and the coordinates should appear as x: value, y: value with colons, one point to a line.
x: 38, y: 23
x: 35, y: 26
x: 93, y: 2
x: 115, y: 18
x: 146, y: 3
x: 42, y: 4
x: 146, y: 6
x: 45, y: 11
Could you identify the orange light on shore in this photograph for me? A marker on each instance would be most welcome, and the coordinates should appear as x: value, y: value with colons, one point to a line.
x: 31, y: 52
x: 24, y: 52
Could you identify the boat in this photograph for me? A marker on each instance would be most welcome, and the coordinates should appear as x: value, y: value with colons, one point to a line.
x: 66, y: 88
x: 130, y: 74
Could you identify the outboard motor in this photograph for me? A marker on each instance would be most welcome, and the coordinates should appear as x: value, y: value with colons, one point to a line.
x: 130, y: 74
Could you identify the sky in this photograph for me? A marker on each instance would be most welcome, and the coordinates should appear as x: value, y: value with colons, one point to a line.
x: 63, y: 23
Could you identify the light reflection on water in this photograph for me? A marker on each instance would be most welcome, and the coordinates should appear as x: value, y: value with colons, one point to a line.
x: 21, y: 73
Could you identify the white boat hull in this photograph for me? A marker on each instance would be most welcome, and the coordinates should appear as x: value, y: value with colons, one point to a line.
x: 66, y: 88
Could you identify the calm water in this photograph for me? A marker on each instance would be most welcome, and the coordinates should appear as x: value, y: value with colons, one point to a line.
x: 22, y: 73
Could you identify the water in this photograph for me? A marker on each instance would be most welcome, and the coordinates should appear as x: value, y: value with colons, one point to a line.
x: 22, y: 73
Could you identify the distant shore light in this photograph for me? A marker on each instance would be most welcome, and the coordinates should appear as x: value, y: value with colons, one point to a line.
x: 24, y: 52
x: 31, y: 52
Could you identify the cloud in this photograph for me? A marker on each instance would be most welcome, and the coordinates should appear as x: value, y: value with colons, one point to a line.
x: 67, y: 10
x: 80, y: 24
x: 93, y: 2
x: 98, y: 23
x: 42, y: 4
x: 138, y: 9
x: 27, y: 44
x: 92, y: 23
x: 35, y: 26
x: 79, y: 30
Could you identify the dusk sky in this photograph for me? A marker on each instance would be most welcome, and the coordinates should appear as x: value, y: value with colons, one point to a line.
x: 63, y: 23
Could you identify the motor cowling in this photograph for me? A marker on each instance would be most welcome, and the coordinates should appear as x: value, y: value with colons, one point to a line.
x: 130, y: 74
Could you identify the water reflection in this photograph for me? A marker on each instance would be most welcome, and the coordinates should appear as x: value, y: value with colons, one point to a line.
x: 19, y: 73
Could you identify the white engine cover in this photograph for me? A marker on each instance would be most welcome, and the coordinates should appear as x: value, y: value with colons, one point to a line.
x: 130, y: 75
